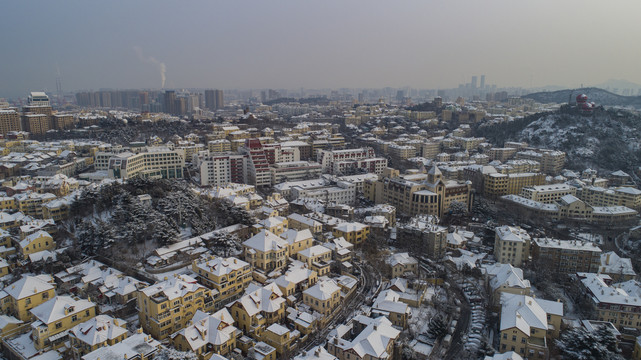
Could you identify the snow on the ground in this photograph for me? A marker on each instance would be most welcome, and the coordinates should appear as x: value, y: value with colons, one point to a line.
x: 421, y: 348
x: 595, y: 238
x: 186, y: 270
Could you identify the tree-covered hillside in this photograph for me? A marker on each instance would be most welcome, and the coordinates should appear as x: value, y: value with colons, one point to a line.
x: 113, y: 216
x: 606, y: 140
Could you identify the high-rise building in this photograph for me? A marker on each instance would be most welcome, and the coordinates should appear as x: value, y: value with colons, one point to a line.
x: 214, y: 99
x: 474, y: 79
x: 9, y: 121
x: 169, y: 102
x: 482, y: 81
x: 38, y: 98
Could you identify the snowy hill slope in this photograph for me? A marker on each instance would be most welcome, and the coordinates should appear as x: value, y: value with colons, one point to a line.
x: 597, y: 95
x: 607, y: 140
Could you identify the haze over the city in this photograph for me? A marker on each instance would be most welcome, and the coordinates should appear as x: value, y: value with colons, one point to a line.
x: 328, y: 44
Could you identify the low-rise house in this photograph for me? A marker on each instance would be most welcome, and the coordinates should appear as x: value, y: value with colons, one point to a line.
x: 276, y: 224
x: 258, y: 308
x: 316, y: 353
x: 324, y: 297
x: 297, y: 279
x: 388, y: 303
x: 618, y: 268
x: 402, y: 264
x: 56, y: 317
x: 168, y: 306
x: 27, y: 293
x: 527, y: 324
x: 300, y: 222
x: 102, y: 330
x: 317, y: 258
x: 136, y: 347
x: 228, y: 276
x: 505, y: 278
x: 35, y: 242
x: 263, y: 351
x: 372, y: 339
x: 354, y: 232
x: 208, y: 334
x: 266, y: 251
x: 281, y: 338
x: 298, y: 240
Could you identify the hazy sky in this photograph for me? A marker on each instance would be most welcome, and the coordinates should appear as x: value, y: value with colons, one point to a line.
x: 316, y: 44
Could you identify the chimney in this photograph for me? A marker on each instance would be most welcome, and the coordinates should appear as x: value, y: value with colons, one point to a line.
x: 607, y: 259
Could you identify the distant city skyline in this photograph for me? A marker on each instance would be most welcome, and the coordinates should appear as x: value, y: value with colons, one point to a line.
x: 292, y: 44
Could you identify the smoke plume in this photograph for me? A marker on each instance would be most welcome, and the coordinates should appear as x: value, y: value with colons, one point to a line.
x: 152, y: 60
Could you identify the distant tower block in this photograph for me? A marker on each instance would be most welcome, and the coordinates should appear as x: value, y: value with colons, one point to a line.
x: 482, y: 81
x: 474, y: 80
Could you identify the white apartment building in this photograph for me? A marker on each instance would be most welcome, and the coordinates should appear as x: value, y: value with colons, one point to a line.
x: 342, y: 192
x: 157, y: 162
x: 221, y: 169
x: 339, y: 161
x: 547, y: 194
x: 294, y: 170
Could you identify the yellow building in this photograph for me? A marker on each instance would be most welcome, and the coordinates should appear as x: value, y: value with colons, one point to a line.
x: 4, y: 267
x: 8, y: 203
x: 281, y: 338
x: 167, y: 307
x: 402, y: 263
x: 298, y: 240
x: 323, y: 297
x: 296, y: 279
x: 505, y: 278
x: 317, y: 258
x: 27, y: 293
x: 102, y: 330
x: 228, y: 276
x: 388, y: 303
x: 619, y: 305
x: 265, y: 251
x: 354, y: 232
x: 9, y: 121
x: 139, y: 346
x: 275, y: 224
x: 547, y: 194
x: 527, y: 324
x: 300, y: 222
x: 36, y: 242
x: 376, y: 339
x: 30, y: 203
x: 622, y: 196
x: 219, y: 146
x: 208, y: 335
x: 55, y: 317
x: 497, y: 184
x: 511, y: 245
x: 422, y: 193
x: 57, y: 209
x: 258, y: 308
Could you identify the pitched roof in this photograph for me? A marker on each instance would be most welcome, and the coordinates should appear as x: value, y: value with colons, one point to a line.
x: 28, y: 286
x: 99, y: 329
x: 60, y: 307
x: 265, y: 241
